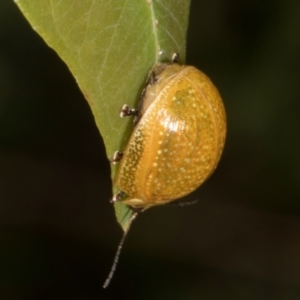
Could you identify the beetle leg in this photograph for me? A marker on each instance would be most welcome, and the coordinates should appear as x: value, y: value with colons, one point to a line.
x: 175, y: 57
x: 126, y: 111
x: 116, y: 157
x: 117, y: 197
x: 152, y: 78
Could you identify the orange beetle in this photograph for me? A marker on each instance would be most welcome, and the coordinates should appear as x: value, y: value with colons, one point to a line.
x: 177, y: 141
x: 178, y: 138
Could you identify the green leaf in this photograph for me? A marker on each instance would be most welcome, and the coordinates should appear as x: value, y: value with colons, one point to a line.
x: 110, y: 46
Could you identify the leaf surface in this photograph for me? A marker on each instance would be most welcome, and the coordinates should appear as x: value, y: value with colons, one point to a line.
x: 110, y: 47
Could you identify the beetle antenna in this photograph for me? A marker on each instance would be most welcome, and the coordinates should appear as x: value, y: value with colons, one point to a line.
x: 117, y: 255
x: 185, y: 203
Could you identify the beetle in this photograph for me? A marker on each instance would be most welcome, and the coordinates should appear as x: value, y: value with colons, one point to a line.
x: 178, y: 138
x: 177, y: 141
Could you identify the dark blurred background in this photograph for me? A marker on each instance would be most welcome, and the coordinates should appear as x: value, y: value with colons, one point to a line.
x: 58, y: 233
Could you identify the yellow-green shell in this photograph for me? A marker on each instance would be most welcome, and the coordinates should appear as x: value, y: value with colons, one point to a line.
x: 178, y: 141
